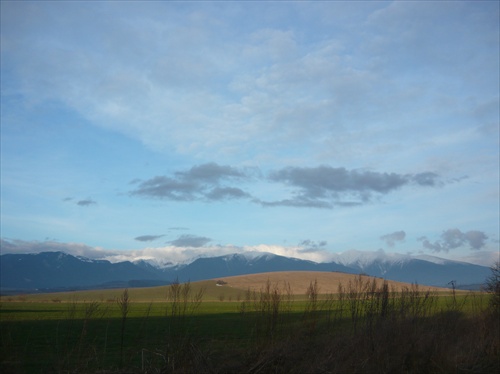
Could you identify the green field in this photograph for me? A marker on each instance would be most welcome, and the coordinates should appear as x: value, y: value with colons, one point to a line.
x: 199, y: 329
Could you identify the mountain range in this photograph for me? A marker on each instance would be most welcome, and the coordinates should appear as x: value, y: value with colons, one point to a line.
x: 57, y: 271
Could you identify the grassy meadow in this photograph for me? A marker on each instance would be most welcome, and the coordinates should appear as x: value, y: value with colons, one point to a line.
x: 287, y: 322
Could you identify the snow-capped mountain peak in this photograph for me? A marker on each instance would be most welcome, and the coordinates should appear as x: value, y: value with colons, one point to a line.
x: 254, y: 255
x: 53, y: 270
x: 166, y: 263
x: 363, y: 259
x: 436, y: 260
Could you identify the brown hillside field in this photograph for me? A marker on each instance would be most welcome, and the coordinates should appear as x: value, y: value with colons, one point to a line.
x: 299, y: 281
x: 234, y: 288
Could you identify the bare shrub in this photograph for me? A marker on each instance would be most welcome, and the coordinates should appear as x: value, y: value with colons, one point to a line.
x: 310, y: 313
x: 182, y: 303
x: 413, y: 303
x: 268, y: 306
x: 124, y: 306
x: 493, y: 287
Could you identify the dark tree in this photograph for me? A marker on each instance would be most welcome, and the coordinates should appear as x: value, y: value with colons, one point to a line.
x: 493, y: 286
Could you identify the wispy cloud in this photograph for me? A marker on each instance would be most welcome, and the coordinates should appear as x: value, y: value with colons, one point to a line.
x: 83, y: 202
x: 154, y: 96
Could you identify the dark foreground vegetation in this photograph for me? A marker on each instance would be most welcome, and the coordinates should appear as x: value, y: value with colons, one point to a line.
x: 363, y: 328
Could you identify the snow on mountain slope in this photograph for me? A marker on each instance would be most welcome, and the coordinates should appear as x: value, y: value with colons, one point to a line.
x: 90, y: 260
x: 56, y: 269
x: 161, y: 263
x: 166, y: 263
x: 352, y: 258
x: 254, y: 255
x: 364, y: 259
x: 436, y: 260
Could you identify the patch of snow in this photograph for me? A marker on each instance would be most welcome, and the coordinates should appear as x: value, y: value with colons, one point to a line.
x: 363, y: 259
x: 256, y: 255
x: 84, y: 259
x: 158, y: 263
x: 435, y: 260
x: 166, y: 263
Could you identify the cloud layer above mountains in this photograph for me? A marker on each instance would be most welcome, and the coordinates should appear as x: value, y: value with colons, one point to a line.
x: 189, y: 247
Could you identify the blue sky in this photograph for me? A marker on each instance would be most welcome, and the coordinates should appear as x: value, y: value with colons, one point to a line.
x: 178, y: 129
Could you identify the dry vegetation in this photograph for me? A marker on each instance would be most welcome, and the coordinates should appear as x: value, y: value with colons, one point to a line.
x: 233, y: 288
x: 286, y: 322
x: 299, y: 281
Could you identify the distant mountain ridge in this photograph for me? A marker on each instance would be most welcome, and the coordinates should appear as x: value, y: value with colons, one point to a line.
x: 58, y: 270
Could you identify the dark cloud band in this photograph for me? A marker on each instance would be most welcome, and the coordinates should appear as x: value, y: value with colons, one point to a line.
x: 203, y: 182
x: 311, y: 187
x: 87, y: 202
x: 190, y: 241
x: 148, y: 238
x: 325, y: 186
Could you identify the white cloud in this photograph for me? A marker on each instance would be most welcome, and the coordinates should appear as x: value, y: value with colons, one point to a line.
x: 172, y: 253
x: 75, y: 249
x: 172, y: 83
x: 277, y: 45
x: 483, y: 258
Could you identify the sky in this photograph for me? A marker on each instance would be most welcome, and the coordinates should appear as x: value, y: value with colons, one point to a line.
x: 306, y: 129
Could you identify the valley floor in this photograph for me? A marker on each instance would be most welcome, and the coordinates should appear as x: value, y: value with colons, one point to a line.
x: 365, y: 328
